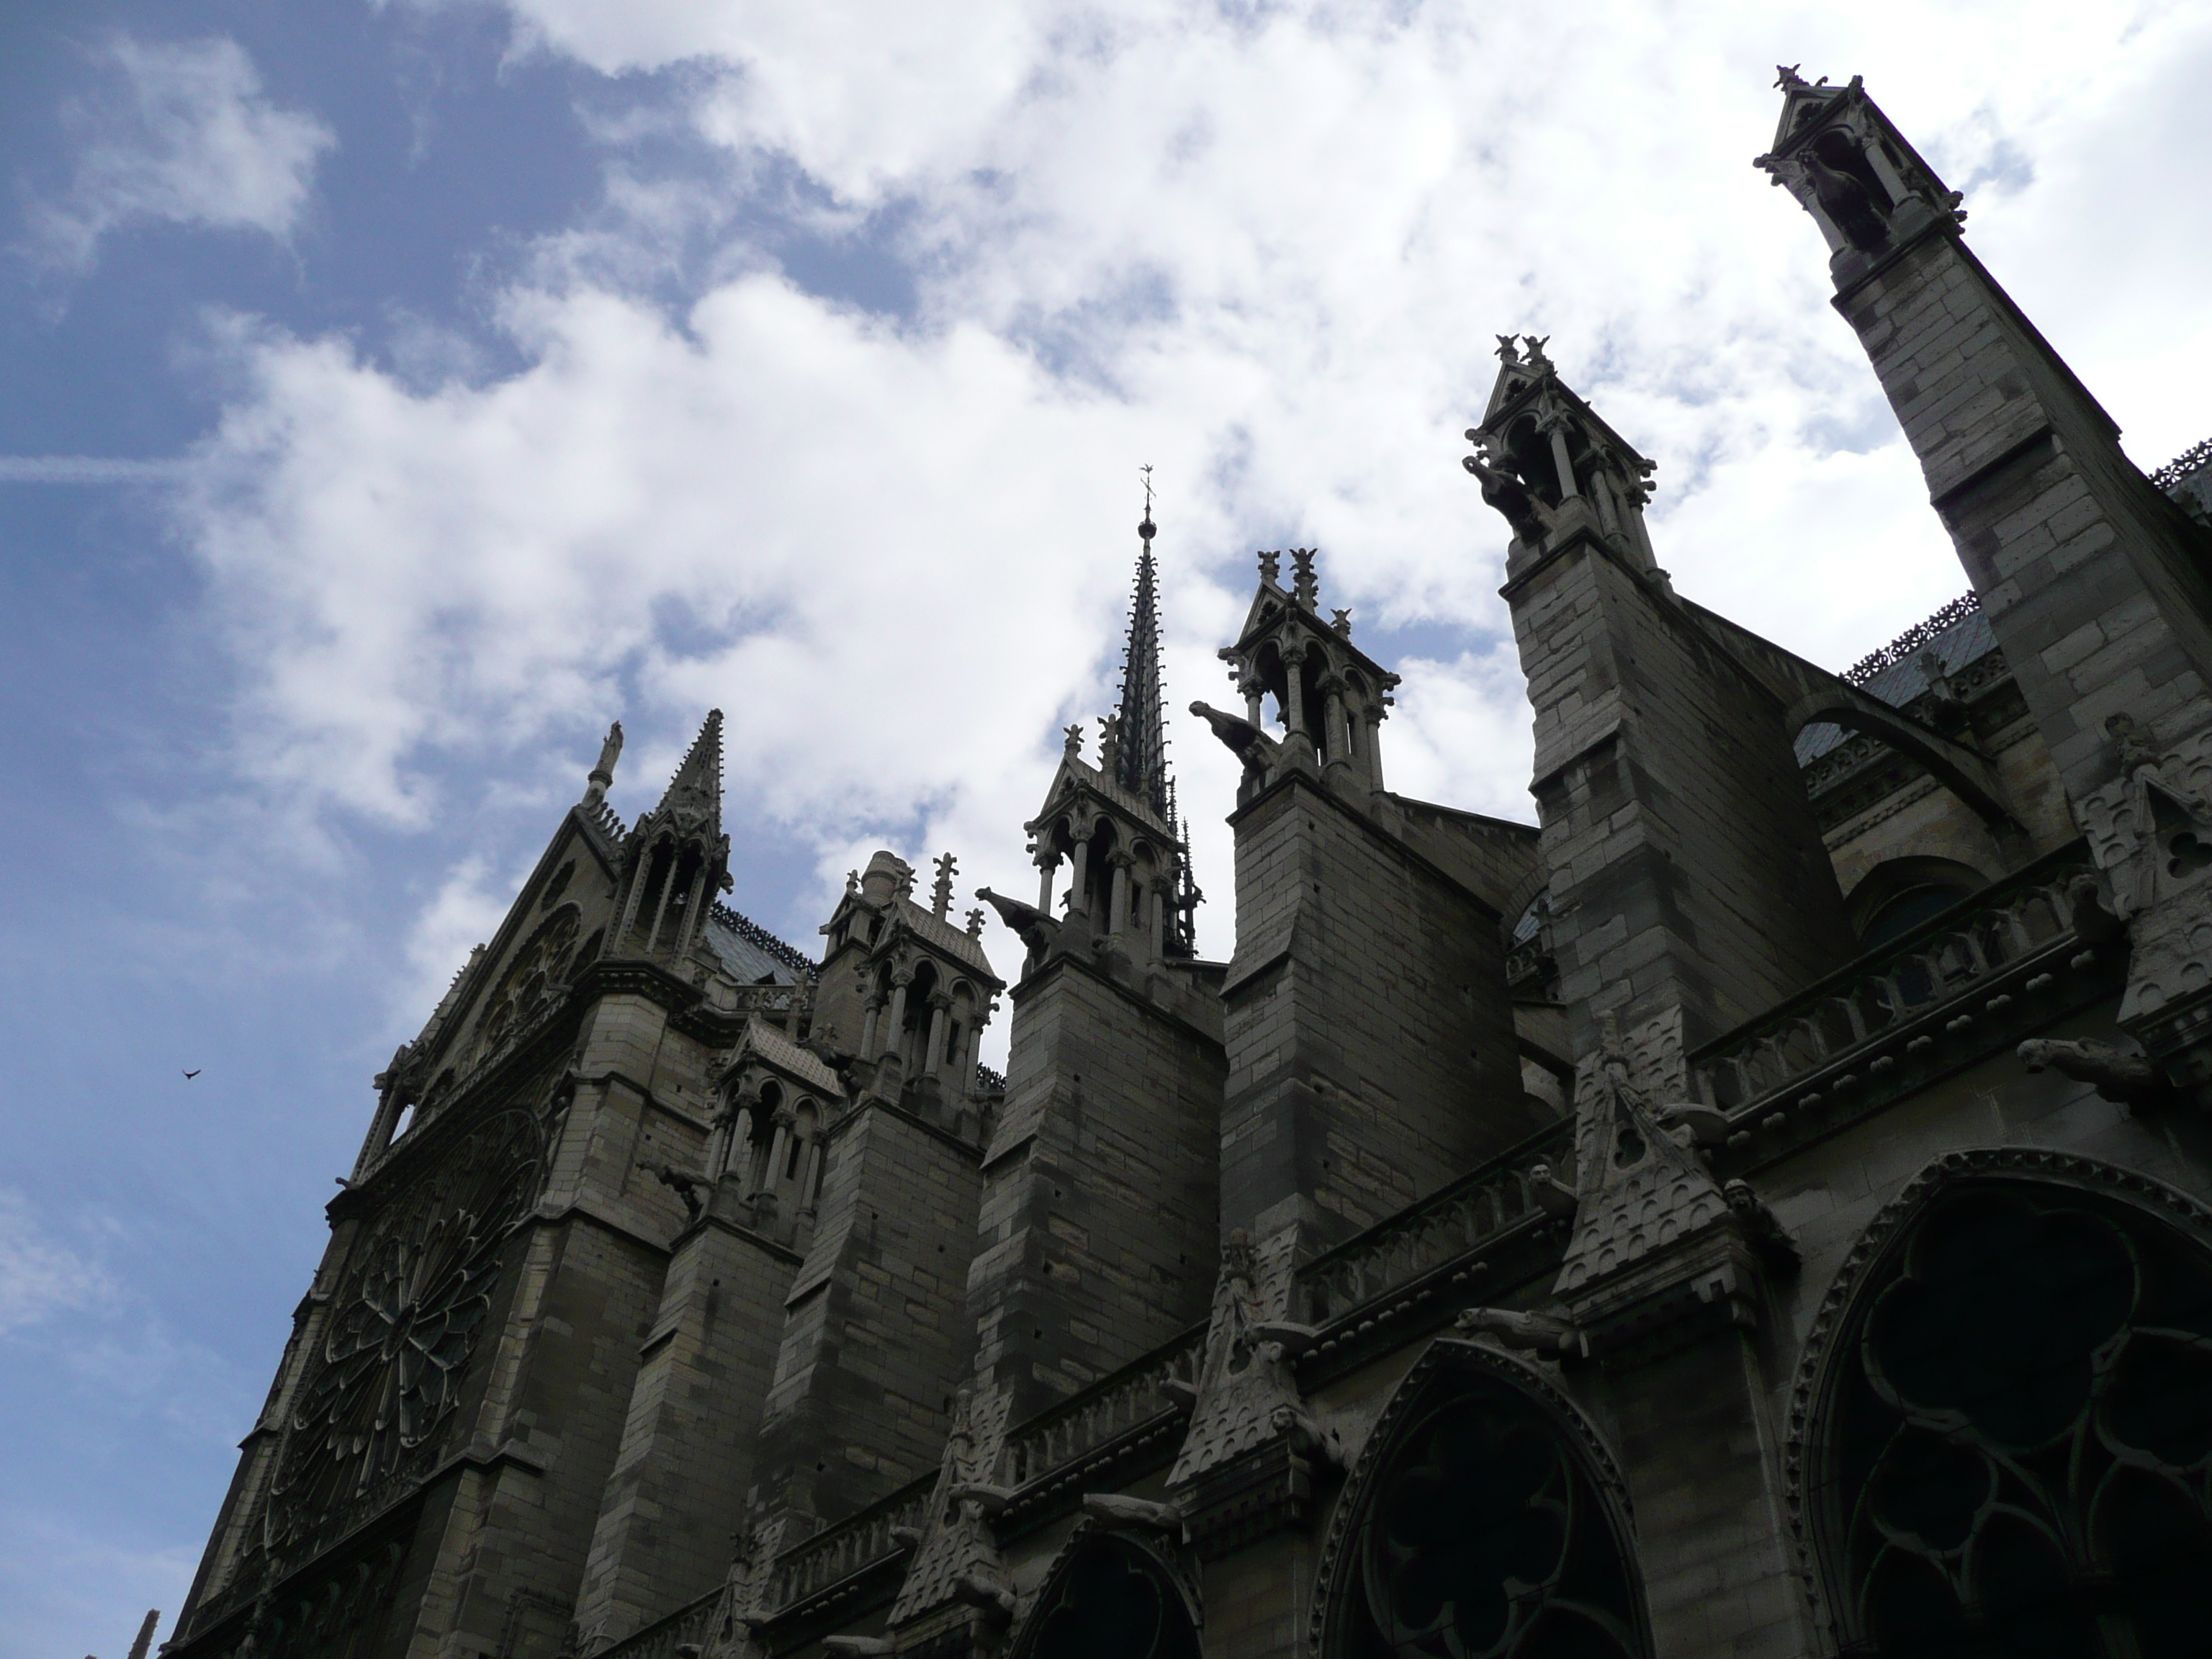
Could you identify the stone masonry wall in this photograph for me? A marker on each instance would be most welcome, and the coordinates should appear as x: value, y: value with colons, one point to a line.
x: 2093, y: 581
x: 876, y: 1337
x: 1371, y: 1054
x: 1687, y: 867
x: 1101, y: 1199
x: 678, y: 1487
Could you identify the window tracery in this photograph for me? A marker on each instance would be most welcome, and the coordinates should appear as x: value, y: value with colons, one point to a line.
x: 404, y: 1326
x: 1483, y: 1535
x: 539, y: 970
x: 2020, y: 1435
x: 1112, y: 1601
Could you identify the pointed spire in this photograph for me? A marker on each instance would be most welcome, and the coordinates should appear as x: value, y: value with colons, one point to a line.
x: 1139, y: 764
x: 693, y: 798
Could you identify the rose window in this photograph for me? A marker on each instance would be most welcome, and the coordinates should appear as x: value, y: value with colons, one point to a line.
x: 1486, y: 1539
x: 2021, y: 1435
x: 416, y: 1293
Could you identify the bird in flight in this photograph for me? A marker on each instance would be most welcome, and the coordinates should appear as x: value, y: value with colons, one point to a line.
x: 189, y: 1076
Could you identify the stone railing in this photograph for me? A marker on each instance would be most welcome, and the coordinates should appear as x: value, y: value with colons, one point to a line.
x: 852, y: 1545
x: 778, y: 1002
x: 689, y: 1625
x: 1479, y: 1208
x: 1946, y: 961
x: 1915, y: 638
x: 1105, y: 1412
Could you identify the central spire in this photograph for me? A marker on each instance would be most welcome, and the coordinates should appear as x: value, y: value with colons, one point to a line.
x: 1140, y: 764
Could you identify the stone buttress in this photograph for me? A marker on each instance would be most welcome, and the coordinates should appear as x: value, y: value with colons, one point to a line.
x: 1372, y: 1053
x: 2096, y: 584
x: 1100, y: 1200
x: 875, y: 1339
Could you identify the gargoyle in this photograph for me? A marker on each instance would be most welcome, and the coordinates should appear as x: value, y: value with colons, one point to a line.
x: 1308, y: 1434
x: 686, y: 1185
x: 1133, y: 1511
x: 1245, y: 740
x: 1538, y: 1333
x: 2094, y: 925
x: 1690, y: 1123
x: 1294, y: 1340
x: 1508, y: 496
x: 1758, y: 1221
x: 1553, y: 1197
x: 987, y: 1500
x: 1036, y: 929
x: 1849, y: 201
x: 2123, y: 1078
x: 987, y: 1591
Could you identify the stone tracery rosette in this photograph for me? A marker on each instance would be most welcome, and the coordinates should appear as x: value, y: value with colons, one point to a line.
x: 2000, y: 1421
x: 1484, y: 1519
x: 404, y: 1325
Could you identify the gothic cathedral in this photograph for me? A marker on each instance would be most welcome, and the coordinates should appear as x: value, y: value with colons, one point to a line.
x: 1765, y: 1210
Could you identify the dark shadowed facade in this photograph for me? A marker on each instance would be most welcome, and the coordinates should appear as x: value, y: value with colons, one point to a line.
x: 1762, y: 1211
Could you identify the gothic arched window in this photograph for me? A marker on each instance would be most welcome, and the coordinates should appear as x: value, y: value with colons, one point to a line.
x: 2016, y: 1435
x: 1110, y: 1600
x: 1482, y: 1534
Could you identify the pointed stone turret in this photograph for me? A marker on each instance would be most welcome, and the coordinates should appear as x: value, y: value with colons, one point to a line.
x: 1116, y: 823
x: 1675, y: 816
x: 1099, y: 1200
x: 1142, y: 765
x: 676, y: 857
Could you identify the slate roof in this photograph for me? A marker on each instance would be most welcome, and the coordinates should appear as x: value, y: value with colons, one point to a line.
x: 750, y: 954
x: 945, y: 936
x: 787, y: 1056
x: 1965, y: 641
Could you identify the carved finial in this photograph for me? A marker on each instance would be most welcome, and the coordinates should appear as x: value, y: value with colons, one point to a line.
x: 1305, y: 587
x: 1507, y: 351
x: 1270, y: 567
x: 852, y: 883
x: 1537, y: 343
x: 601, y: 778
x: 1073, y: 747
x: 976, y: 922
x: 940, y: 896
x: 1109, y: 744
x: 1341, y: 622
x: 1785, y: 75
x: 1146, y: 528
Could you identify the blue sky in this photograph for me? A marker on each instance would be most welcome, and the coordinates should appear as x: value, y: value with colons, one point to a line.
x: 400, y: 391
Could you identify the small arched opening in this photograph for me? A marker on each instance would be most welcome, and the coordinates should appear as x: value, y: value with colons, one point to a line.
x: 1898, y: 895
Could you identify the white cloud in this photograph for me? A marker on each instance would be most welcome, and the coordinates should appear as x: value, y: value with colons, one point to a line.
x: 179, y: 131
x: 464, y: 912
x: 70, y: 1588
x: 87, y: 470
x: 40, y: 1275
x: 1267, y: 251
